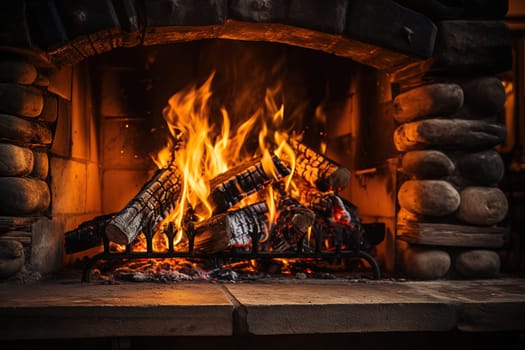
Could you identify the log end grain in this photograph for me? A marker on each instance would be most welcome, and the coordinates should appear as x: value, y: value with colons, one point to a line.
x: 115, y: 234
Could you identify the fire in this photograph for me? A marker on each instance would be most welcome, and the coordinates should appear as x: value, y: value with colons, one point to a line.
x: 201, y: 149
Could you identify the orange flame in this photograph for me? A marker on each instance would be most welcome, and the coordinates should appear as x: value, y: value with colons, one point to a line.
x: 204, y: 152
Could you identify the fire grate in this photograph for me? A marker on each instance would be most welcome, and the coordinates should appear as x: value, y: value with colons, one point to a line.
x: 91, y: 233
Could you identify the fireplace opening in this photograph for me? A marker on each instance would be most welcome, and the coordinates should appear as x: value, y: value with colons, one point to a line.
x: 409, y: 126
x: 253, y: 99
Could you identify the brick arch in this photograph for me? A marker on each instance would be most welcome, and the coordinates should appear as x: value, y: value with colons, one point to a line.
x: 65, y: 31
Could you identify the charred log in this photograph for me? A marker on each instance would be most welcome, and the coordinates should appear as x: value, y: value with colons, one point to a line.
x: 318, y: 170
x: 291, y: 226
x: 87, y: 235
x: 239, y: 228
x: 237, y: 183
x: 148, y: 208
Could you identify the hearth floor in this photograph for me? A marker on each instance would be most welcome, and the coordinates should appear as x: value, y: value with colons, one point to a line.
x: 59, y: 309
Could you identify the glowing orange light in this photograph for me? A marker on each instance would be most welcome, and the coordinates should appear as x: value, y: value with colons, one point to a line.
x: 205, y: 150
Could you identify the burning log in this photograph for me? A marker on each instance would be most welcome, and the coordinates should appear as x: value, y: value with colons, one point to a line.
x: 238, y: 228
x: 148, y: 208
x: 237, y: 183
x: 336, y: 218
x: 318, y: 170
x: 291, y: 226
x: 327, y: 204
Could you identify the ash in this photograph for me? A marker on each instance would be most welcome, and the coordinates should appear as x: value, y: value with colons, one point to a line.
x: 180, y: 270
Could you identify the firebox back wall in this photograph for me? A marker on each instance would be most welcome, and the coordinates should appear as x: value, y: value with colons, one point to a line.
x: 116, y: 120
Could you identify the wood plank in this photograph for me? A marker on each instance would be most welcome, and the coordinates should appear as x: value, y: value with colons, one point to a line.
x: 15, y: 223
x: 23, y: 237
x: 377, y: 57
x: 452, y: 235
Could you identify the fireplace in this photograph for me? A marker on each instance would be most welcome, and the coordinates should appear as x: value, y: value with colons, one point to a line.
x: 412, y: 107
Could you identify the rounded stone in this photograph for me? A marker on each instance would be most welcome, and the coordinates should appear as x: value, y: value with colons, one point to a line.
x: 425, y: 263
x: 41, y: 164
x: 17, y: 72
x: 25, y: 101
x: 478, y: 263
x: 484, y: 95
x: 427, y: 164
x: 15, y: 160
x: 429, y: 197
x: 482, y: 205
x: 11, y: 258
x: 483, y: 168
x: 23, y: 196
x: 428, y: 100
